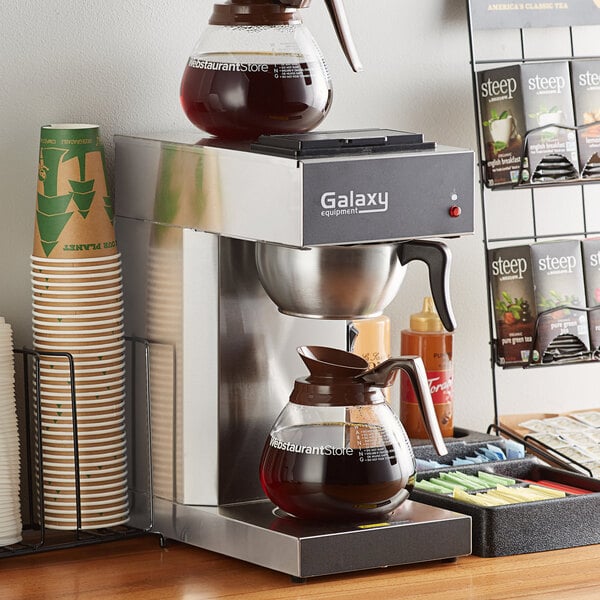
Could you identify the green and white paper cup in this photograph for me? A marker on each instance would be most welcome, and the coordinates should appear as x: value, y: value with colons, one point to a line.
x: 74, y: 211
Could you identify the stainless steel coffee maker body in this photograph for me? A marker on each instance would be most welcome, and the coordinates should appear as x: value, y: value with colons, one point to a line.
x: 212, y: 356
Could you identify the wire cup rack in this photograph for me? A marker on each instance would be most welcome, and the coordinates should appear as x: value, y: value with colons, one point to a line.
x: 36, y: 535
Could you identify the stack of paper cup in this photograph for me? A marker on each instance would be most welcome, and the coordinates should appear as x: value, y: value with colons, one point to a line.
x: 163, y: 314
x: 187, y: 188
x: 78, y: 309
x: 10, y: 506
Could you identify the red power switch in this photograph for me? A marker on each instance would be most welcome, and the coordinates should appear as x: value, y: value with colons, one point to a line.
x: 454, y: 211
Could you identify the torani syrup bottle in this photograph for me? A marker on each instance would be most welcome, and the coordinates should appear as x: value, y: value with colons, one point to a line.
x: 428, y: 339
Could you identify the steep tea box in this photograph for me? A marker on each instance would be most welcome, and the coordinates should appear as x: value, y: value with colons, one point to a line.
x: 520, y: 106
x: 514, y: 303
x: 558, y: 282
x: 590, y: 249
x: 552, y: 151
x: 503, y: 122
x: 585, y: 76
x: 526, y: 282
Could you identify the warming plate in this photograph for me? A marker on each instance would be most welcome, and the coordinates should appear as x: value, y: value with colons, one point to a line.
x: 254, y: 533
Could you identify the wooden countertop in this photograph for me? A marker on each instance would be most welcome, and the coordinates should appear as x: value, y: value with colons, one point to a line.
x: 139, y: 569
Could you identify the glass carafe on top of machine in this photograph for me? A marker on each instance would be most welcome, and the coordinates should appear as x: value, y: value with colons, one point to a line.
x: 258, y: 70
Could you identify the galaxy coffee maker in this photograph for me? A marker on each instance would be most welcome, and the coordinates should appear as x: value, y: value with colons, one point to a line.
x: 236, y: 255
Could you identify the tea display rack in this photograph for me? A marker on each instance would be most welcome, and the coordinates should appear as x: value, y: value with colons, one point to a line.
x: 37, y: 537
x: 562, y: 350
x: 559, y: 209
x: 575, y: 178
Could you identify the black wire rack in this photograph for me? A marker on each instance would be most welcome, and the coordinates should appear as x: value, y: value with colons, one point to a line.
x: 36, y: 535
x: 519, y: 21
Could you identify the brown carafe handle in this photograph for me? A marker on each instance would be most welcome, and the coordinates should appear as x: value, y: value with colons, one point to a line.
x: 437, y: 257
x: 295, y: 3
x: 340, y: 24
x: 383, y: 376
x: 342, y: 30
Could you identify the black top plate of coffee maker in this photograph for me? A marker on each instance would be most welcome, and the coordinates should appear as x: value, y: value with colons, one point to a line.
x: 332, y: 143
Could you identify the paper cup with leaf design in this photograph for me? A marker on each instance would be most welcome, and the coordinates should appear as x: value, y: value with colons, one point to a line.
x: 74, y: 212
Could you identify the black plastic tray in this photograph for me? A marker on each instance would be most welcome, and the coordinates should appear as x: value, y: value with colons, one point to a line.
x: 528, y: 526
x: 464, y: 443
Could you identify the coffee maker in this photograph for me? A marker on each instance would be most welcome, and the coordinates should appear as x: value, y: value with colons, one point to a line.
x: 219, y: 357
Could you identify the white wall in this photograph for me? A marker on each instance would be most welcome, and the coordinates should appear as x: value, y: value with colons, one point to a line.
x: 118, y: 64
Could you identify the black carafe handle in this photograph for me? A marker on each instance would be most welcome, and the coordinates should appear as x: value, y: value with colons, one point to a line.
x: 437, y: 257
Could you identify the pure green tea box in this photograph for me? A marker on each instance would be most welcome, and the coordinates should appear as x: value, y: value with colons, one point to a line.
x: 537, y: 290
x: 514, y: 303
x: 559, y: 292
x: 590, y: 249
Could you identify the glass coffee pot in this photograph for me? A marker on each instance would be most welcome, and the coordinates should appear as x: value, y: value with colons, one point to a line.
x: 337, y: 451
x: 257, y: 70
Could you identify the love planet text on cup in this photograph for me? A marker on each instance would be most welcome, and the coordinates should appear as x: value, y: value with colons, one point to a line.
x: 85, y: 247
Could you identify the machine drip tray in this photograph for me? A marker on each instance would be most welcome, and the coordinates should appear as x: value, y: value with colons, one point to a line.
x: 258, y: 533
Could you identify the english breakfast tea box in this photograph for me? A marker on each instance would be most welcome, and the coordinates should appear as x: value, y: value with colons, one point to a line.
x: 503, y: 123
x: 519, y: 105
x: 558, y: 281
x: 585, y: 76
x: 590, y: 249
x: 552, y: 151
x: 514, y: 303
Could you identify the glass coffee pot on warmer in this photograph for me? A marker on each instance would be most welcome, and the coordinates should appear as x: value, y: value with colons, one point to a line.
x: 257, y: 70
x: 337, y: 451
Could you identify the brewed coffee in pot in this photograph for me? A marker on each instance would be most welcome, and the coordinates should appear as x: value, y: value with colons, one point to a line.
x: 337, y: 451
